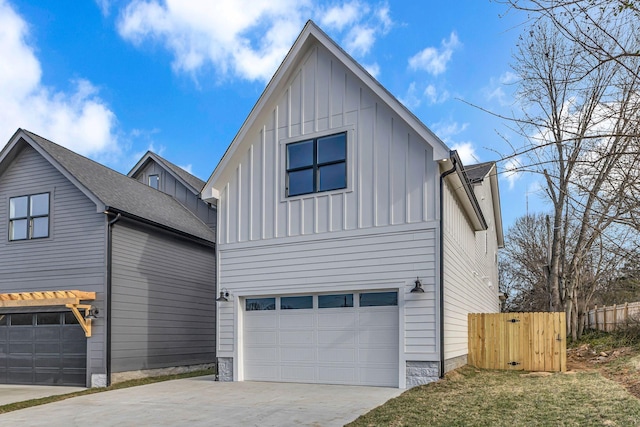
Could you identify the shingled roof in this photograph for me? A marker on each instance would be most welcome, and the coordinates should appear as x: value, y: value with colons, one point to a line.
x: 478, y: 172
x: 192, y: 182
x: 118, y: 192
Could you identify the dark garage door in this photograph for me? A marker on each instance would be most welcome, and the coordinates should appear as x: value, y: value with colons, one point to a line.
x: 42, y: 348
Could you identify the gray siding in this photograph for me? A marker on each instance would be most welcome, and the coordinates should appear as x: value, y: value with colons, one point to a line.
x: 175, y: 188
x: 73, y: 257
x: 163, y: 300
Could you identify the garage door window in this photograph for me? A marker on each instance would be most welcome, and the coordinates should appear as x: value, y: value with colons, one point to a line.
x: 335, y: 301
x: 378, y: 299
x: 48, y: 318
x: 258, y: 304
x: 3, y: 319
x: 296, y: 303
x: 70, y: 318
x: 21, y: 319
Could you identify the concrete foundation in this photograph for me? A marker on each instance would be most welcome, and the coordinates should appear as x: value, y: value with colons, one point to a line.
x: 419, y: 373
x: 225, y: 369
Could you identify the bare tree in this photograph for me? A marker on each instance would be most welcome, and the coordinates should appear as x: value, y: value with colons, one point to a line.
x: 579, y: 119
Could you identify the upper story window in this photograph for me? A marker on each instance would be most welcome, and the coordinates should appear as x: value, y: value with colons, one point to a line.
x: 154, y: 181
x: 29, y: 217
x: 316, y: 165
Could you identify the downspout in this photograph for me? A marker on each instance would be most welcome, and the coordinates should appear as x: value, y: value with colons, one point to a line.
x: 109, y: 258
x: 442, y: 177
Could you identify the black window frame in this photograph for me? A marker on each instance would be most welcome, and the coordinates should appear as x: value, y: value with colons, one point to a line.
x: 30, y: 217
x: 316, y: 166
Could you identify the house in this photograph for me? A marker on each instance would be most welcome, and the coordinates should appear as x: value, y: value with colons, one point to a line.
x: 102, y: 277
x: 351, y: 242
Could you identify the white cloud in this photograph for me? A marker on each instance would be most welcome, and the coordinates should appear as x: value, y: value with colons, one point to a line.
x: 340, y: 16
x: 467, y: 152
x: 434, y: 60
x: 411, y: 99
x: 360, y: 40
x: 511, y: 171
x: 188, y: 168
x: 244, y: 38
x: 105, y: 6
x: 447, y: 130
x: 80, y: 120
x: 495, y: 91
x: 434, y: 96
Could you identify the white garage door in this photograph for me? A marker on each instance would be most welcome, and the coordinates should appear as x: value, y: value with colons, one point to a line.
x: 347, y: 338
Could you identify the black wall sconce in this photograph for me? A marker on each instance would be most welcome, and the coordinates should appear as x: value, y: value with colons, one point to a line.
x: 418, y: 286
x: 224, y: 296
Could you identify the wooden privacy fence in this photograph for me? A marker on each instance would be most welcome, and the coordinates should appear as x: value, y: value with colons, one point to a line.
x: 518, y: 341
x: 610, y: 317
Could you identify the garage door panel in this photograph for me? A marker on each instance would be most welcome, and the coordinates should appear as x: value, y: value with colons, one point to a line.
x: 52, y: 354
x: 47, y: 333
x: 337, y: 374
x: 303, y: 319
x: 296, y: 337
x: 260, y: 320
x: 347, y: 355
x: 379, y: 317
x: 377, y: 337
x: 261, y: 354
x: 341, y: 345
x: 379, y: 355
x: 295, y: 373
x: 336, y: 318
x: 336, y: 338
x: 297, y: 354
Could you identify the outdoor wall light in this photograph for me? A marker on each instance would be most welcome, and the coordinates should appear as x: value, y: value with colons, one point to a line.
x: 92, y: 313
x: 418, y: 286
x: 224, y: 296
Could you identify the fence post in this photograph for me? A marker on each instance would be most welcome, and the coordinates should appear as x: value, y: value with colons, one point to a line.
x: 626, y: 314
x: 595, y: 310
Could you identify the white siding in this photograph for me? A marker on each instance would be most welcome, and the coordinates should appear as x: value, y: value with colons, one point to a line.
x: 390, y: 260
x: 391, y: 173
x: 467, y: 272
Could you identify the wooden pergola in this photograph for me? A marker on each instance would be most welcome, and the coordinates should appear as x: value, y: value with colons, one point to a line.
x: 70, y: 299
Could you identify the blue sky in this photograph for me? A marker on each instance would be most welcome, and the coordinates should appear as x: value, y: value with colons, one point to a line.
x: 111, y: 79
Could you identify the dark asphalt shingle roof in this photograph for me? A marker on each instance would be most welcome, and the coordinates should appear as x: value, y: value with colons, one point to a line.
x: 478, y: 172
x: 125, y: 194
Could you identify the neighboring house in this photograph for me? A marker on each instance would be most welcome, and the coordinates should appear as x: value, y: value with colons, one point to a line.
x: 83, y: 241
x: 336, y: 208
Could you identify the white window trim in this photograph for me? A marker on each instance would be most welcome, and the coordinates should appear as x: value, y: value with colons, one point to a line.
x: 351, y: 142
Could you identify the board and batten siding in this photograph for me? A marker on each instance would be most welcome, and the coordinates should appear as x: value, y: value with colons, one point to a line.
x: 391, y: 175
x: 173, y: 187
x: 163, y: 305
x: 466, y: 284
x: 71, y: 258
x: 389, y: 260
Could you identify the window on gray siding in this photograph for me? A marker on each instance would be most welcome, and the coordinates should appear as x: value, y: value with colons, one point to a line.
x: 29, y: 217
x: 316, y: 165
x: 154, y: 181
x: 334, y: 301
x: 257, y: 304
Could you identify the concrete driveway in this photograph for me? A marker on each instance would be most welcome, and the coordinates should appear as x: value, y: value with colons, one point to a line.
x: 203, y: 402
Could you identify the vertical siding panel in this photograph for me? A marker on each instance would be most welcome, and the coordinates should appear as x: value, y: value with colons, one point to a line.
x: 323, y: 214
x: 338, y: 82
x: 295, y: 106
x: 309, y: 98
x: 323, y: 90
x: 366, y: 167
x: 415, y: 180
x: 398, y: 160
x: 308, y: 216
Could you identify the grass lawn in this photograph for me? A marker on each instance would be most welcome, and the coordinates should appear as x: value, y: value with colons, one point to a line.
x: 473, y: 397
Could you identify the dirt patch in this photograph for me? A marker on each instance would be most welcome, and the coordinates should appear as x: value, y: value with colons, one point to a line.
x: 626, y: 372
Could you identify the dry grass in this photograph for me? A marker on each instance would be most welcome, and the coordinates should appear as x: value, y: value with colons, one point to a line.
x: 472, y: 397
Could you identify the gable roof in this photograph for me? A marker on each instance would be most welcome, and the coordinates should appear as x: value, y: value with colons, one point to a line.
x: 310, y: 35
x: 111, y: 190
x: 477, y: 174
x: 192, y: 182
